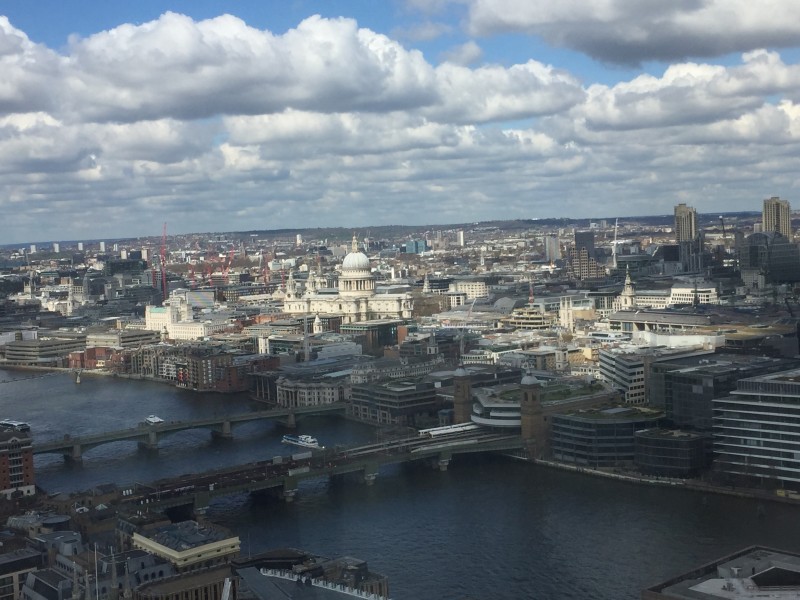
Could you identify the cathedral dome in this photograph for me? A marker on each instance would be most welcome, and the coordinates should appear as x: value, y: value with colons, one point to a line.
x: 355, y: 261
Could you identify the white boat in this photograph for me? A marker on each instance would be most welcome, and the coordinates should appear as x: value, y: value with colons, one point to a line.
x: 153, y: 420
x: 306, y: 441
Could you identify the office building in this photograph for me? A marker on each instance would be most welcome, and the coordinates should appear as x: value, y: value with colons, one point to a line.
x: 603, y: 437
x: 552, y: 248
x: 685, y: 223
x: 585, y: 239
x: 757, y: 431
x: 777, y: 216
x: 56, y: 247
x: 461, y: 237
x: 188, y: 546
x: 414, y: 247
x: 685, y: 387
x: 767, y: 258
x: 671, y: 452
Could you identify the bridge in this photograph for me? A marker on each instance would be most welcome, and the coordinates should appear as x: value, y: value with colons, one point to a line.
x: 148, y: 434
x: 282, y: 475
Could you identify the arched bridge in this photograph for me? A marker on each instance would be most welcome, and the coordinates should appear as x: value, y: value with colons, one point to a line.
x: 147, y: 435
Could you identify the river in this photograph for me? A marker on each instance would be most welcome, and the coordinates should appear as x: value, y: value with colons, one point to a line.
x: 489, y: 527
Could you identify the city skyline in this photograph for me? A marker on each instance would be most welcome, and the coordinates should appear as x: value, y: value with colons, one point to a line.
x: 342, y: 114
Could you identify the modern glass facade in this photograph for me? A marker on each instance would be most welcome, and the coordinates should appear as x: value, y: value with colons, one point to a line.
x: 599, y: 438
x: 757, y: 430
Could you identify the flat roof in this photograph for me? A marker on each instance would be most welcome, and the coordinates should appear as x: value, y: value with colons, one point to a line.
x: 754, y: 572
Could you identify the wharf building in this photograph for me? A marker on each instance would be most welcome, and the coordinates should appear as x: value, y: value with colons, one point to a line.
x: 757, y: 430
x: 355, y: 299
x: 47, y: 349
x: 293, y: 392
x: 396, y: 402
x: 671, y: 452
x: 600, y: 437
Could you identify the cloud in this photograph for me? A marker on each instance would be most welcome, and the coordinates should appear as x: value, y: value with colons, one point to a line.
x: 464, y: 55
x: 632, y: 31
x: 689, y: 93
x: 422, y: 32
x: 214, y: 125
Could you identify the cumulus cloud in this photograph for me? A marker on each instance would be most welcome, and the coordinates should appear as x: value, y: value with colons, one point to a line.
x: 465, y: 54
x: 221, y: 125
x: 689, y: 93
x: 632, y: 31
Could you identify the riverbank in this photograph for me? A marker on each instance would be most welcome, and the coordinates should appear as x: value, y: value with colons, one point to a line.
x: 686, y: 484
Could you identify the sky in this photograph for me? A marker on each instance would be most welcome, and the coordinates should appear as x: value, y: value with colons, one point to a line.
x: 118, y: 117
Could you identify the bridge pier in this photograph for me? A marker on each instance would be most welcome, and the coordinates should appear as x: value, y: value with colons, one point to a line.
x: 152, y: 441
x: 201, y: 502
x: 225, y: 432
x: 370, y: 474
x: 75, y: 455
x: 291, y: 421
x: 289, y: 489
x: 443, y: 461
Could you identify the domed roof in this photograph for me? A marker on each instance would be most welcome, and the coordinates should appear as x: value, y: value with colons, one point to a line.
x: 356, y: 261
x: 461, y: 372
x: 529, y: 379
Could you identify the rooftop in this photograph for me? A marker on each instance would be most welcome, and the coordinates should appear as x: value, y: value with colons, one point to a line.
x: 186, y: 535
x: 754, y: 572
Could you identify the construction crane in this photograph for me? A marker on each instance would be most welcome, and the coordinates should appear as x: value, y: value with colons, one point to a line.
x: 164, y: 261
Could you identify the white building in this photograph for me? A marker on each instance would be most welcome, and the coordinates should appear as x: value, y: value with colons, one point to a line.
x: 176, y: 319
x: 356, y: 299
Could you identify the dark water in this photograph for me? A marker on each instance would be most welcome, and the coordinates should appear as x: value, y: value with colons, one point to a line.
x: 487, y: 528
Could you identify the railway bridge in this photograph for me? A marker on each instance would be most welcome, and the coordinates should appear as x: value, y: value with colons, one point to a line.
x: 282, y: 475
x: 148, y: 434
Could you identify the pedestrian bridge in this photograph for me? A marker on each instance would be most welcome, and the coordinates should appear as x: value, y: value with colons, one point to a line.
x: 148, y: 435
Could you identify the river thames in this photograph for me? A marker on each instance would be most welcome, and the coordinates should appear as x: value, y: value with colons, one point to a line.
x: 489, y: 527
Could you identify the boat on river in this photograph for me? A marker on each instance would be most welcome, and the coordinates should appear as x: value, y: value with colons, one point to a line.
x: 304, y: 441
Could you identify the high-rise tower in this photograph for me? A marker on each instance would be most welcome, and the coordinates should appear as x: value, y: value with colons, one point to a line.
x: 777, y: 216
x: 685, y: 223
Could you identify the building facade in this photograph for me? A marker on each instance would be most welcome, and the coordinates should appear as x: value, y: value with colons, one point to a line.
x: 757, y: 430
x: 777, y: 216
x: 685, y: 223
x: 355, y: 300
